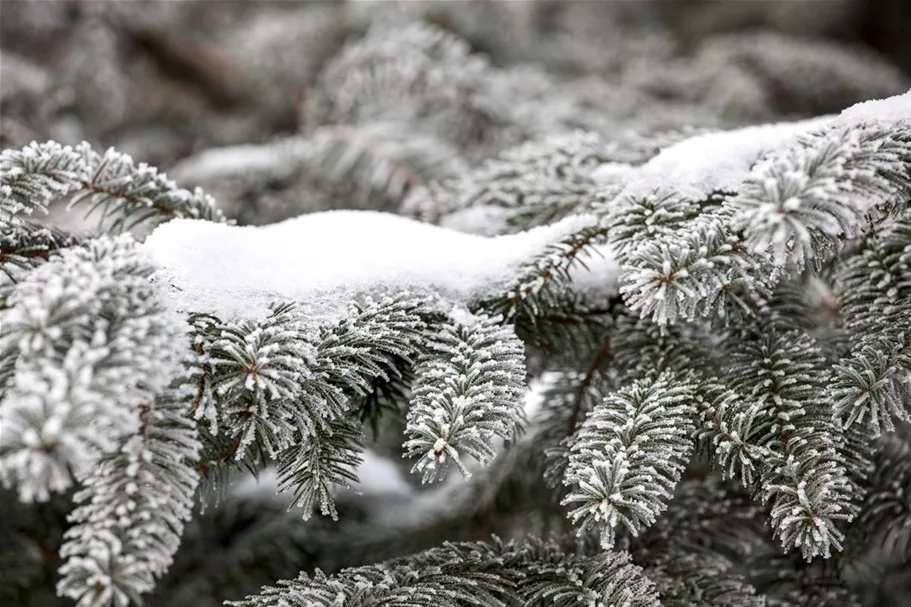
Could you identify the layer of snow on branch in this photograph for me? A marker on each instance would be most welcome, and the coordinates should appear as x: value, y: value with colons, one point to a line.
x: 721, y: 161
x: 891, y: 109
x: 325, y: 260
x: 705, y: 163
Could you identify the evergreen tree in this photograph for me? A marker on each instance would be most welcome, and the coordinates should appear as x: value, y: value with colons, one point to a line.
x: 539, y: 360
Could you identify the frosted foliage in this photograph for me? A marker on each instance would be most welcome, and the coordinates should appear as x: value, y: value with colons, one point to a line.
x: 533, y: 184
x: 822, y: 187
x: 791, y: 208
x: 468, y: 391
x: 132, y: 509
x: 337, y: 166
x: 628, y: 456
x: 874, y: 287
x: 94, y: 341
x: 531, y: 572
x: 802, y: 475
x: 361, y: 349
x: 255, y: 375
x: 34, y: 176
x: 127, y: 193
x: 706, y: 162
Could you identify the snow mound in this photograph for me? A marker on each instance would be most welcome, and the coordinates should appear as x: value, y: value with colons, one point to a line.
x: 889, y: 109
x: 326, y: 260
x: 722, y: 160
x: 697, y: 166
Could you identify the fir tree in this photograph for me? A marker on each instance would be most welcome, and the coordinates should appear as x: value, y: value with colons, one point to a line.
x: 669, y: 367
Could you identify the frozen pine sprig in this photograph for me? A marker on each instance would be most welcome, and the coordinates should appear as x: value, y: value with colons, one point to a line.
x: 467, y: 392
x: 795, y: 207
x: 628, y: 456
x: 536, y: 183
x: 874, y: 289
x: 540, y: 285
x: 873, y: 384
x: 32, y: 177
x: 493, y: 574
x: 366, y: 346
x: 93, y: 340
x: 635, y: 219
x: 822, y: 188
x: 255, y: 375
x: 802, y: 474
x: 320, y: 463
x: 701, y: 270
x: 125, y: 193
x: 25, y: 245
x: 287, y: 387
x: 132, y: 508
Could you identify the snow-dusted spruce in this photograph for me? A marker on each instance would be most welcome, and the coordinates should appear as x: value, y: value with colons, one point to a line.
x: 793, y: 208
x: 286, y: 388
x: 532, y: 572
x: 468, y: 391
x: 714, y: 340
x: 132, y: 508
x: 125, y: 193
x: 89, y: 340
x: 363, y: 348
x: 628, y: 456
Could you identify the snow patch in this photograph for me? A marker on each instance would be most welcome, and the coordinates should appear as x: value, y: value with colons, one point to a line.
x: 890, y: 109
x: 713, y: 161
x: 324, y: 261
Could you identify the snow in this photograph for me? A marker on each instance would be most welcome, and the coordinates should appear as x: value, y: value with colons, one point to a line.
x: 324, y: 261
x: 890, y: 109
x: 722, y: 160
x: 712, y: 161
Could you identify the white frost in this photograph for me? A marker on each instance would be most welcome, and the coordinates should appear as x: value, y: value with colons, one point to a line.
x: 325, y: 260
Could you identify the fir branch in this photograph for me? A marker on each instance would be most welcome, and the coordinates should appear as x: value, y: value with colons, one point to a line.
x: 25, y: 245
x: 533, y: 184
x: 467, y: 391
x: 874, y: 284
x: 874, y: 382
x: 805, y: 480
x: 286, y: 388
x: 629, y: 455
x: 95, y: 340
x: 822, y: 188
x: 530, y: 573
x: 368, y: 344
x: 636, y: 219
x: 255, y: 371
x: 318, y: 464
x: 704, y: 271
x: 132, y: 510
x: 125, y: 193
x: 539, y: 286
